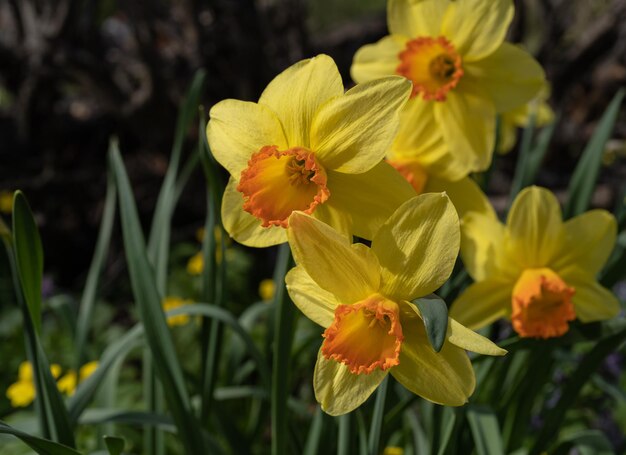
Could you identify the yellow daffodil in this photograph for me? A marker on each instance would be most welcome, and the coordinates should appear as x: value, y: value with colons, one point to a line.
x: 362, y: 296
x: 519, y: 118
x: 462, y: 71
x: 537, y: 270
x: 22, y: 392
x: 170, y: 303
x: 67, y: 384
x: 307, y: 146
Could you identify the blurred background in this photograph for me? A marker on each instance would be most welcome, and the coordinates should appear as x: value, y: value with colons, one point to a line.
x: 73, y: 73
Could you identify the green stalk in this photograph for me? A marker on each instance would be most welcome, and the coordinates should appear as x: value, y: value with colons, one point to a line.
x: 284, y: 317
x: 343, y: 439
x: 377, y: 417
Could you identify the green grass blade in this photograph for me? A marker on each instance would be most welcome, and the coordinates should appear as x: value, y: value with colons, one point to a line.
x: 579, y: 377
x: 377, y: 417
x: 538, y: 153
x: 87, y: 301
x: 311, y: 447
x: 583, y: 180
x: 420, y: 440
x: 448, y: 418
x: 28, y: 257
x: 284, y: 318
x: 343, y: 436
x: 114, y: 445
x: 39, y: 445
x: 148, y: 301
x: 485, y: 430
x: 524, y: 157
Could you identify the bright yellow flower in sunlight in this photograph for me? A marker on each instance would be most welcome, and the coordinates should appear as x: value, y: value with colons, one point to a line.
x: 362, y: 296
x: 537, y: 271
x: 22, y: 392
x: 520, y: 118
x: 170, y: 303
x: 462, y: 71
x: 307, y: 146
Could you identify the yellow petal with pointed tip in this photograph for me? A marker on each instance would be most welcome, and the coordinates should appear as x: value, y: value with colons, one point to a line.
x: 469, y: 340
x: 477, y: 27
x: 327, y: 257
x: 511, y: 76
x: 368, y: 199
x: 413, y: 18
x: 297, y: 93
x: 468, y: 123
x: 445, y: 377
x: 592, y: 301
x: 244, y: 227
x: 588, y: 243
x: 417, y: 246
x: 352, y: 133
x: 534, y: 227
x: 377, y: 60
x: 338, y: 390
x: 237, y: 129
x: 482, y: 303
x: 317, y: 304
x: 482, y: 241
x: 465, y: 194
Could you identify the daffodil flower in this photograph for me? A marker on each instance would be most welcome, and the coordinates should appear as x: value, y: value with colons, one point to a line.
x: 307, y: 146
x: 362, y: 296
x: 463, y: 73
x: 537, y: 271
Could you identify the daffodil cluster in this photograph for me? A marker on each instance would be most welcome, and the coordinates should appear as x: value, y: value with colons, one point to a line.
x: 318, y: 167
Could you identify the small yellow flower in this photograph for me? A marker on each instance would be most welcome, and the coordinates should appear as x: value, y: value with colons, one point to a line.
x: 195, y: 265
x: 308, y: 146
x: 67, y: 384
x: 22, y: 392
x: 362, y: 296
x: 462, y: 73
x: 87, y: 370
x: 267, y: 288
x: 6, y: 202
x: 536, y: 270
x: 170, y: 303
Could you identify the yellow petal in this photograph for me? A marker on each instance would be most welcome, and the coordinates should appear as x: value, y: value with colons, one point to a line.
x: 534, y: 227
x: 465, y: 194
x: 317, y: 304
x: 413, y: 18
x: 482, y: 303
x: 468, y: 123
x: 352, y: 133
x: 297, y: 93
x: 477, y: 27
x: 327, y: 257
x: 482, y: 244
x: 244, y: 227
x: 469, y: 340
x: 417, y: 246
x: 511, y: 76
x: 588, y: 243
x: 237, y: 129
x: 418, y: 130
x: 377, y: 60
x: 368, y: 199
x: 339, y: 391
x: 445, y: 377
x: 592, y: 301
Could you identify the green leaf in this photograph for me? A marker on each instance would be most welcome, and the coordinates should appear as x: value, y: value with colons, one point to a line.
x: 377, y: 417
x: 448, y: 419
x: 435, y: 315
x: 39, y: 445
x: 148, y: 301
x: 311, y: 447
x: 583, y: 180
x: 592, y: 442
x: 29, y: 256
x: 115, y: 445
x: 485, y: 430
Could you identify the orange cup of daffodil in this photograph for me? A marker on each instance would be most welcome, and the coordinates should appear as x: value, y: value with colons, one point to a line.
x: 362, y: 296
x: 536, y: 270
x: 308, y: 146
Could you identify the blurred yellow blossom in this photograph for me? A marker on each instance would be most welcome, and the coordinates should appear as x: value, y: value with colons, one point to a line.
x: 6, y: 201
x: 195, y: 264
x: 392, y: 450
x: 267, y: 288
x: 67, y: 384
x: 170, y: 303
x: 22, y: 392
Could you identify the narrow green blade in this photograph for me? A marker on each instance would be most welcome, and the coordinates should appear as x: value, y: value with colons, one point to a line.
x: 39, y: 445
x: 485, y: 430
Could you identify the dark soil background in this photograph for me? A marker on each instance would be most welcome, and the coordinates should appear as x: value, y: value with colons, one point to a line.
x: 74, y: 73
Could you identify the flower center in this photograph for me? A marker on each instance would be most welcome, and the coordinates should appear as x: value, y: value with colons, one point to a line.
x: 542, y: 304
x: 276, y: 183
x: 412, y: 171
x: 432, y: 64
x: 365, y: 335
